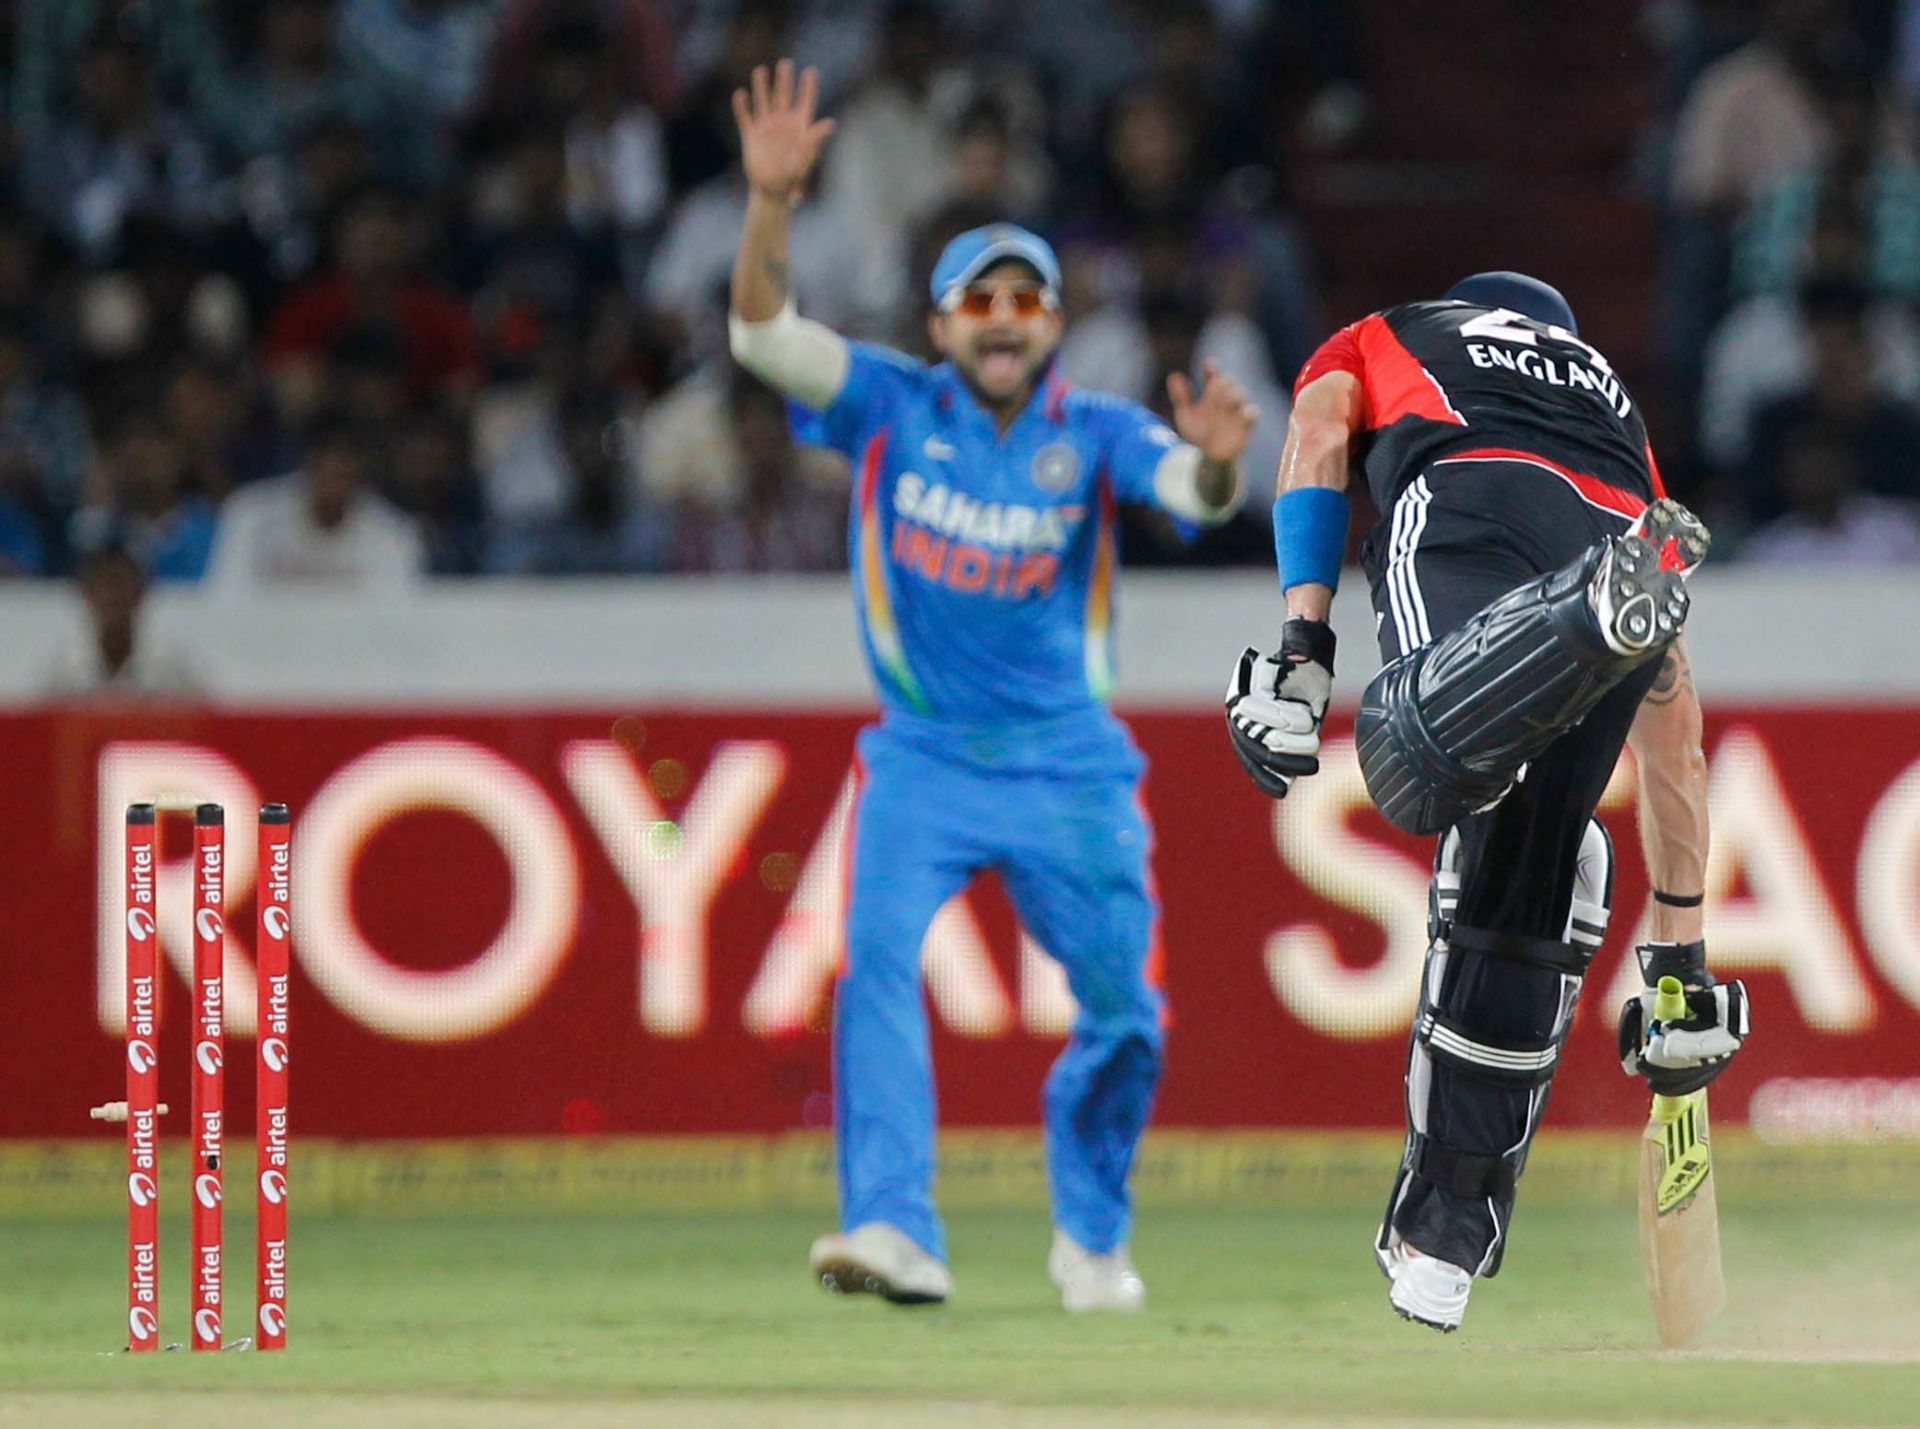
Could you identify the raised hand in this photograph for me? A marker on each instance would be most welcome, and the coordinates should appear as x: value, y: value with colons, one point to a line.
x: 1219, y: 420
x: 780, y: 140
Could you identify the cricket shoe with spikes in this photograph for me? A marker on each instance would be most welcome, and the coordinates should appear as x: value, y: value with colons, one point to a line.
x: 880, y: 1259
x: 1638, y: 591
x: 1091, y: 1280
x: 1427, y: 1291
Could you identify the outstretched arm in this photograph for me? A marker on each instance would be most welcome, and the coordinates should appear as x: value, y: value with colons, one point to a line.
x: 1673, y: 796
x: 780, y: 142
x: 1200, y: 479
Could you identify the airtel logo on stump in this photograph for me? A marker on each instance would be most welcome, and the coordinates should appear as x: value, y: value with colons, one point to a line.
x: 207, y: 924
x: 276, y: 922
x: 139, y: 924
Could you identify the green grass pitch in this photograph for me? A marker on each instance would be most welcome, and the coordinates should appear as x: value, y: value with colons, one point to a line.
x: 1258, y: 1315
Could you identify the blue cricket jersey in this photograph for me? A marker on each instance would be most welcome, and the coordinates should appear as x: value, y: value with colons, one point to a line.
x: 983, y: 563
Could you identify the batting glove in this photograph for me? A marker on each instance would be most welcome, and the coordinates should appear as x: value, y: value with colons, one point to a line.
x: 1681, y: 1056
x: 1275, y: 704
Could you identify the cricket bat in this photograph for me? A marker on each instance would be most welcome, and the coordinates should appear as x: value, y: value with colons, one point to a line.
x: 1679, y: 1221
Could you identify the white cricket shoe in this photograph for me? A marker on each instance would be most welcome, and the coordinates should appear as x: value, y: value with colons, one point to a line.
x: 1092, y: 1281
x: 1427, y: 1291
x: 880, y: 1259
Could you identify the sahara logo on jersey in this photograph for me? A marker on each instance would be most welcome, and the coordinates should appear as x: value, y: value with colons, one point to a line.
x: 975, y: 547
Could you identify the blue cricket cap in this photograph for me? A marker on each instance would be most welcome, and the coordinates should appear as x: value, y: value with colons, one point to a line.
x: 1522, y: 294
x: 978, y: 249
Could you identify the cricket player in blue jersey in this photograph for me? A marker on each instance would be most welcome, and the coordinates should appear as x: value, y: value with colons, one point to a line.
x: 982, y: 546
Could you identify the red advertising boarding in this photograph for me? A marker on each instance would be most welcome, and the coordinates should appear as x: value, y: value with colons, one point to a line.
x: 583, y: 922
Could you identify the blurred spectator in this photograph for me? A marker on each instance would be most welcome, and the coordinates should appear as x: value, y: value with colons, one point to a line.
x: 634, y: 36
x: 426, y: 60
x: 988, y: 173
x: 323, y: 525
x: 1775, y: 348
x: 163, y: 298
x: 1131, y: 350
x: 701, y: 142
x: 607, y: 83
x: 286, y: 77
x: 120, y: 154
x: 141, y: 501
x: 433, y: 481
x: 1310, y: 72
x: 225, y: 436
x: 718, y: 448
x: 1830, y: 520
x: 376, y: 284
x: 533, y: 268
x: 45, y: 443
x: 118, y: 661
x: 51, y: 35
x: 609, y: 526
x: 28, y: 273
x: 1864, y: 199
x: 837, y: 37
x: 687, y: 284
x: 892, y: 157
x: 1154, y: 216
x: 23, y: 542
x: 1840, y: 395
x: 1755, y: 116
x: 289, y: 202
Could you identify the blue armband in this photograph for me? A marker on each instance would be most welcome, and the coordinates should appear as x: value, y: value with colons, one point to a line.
x: 1310, y: 536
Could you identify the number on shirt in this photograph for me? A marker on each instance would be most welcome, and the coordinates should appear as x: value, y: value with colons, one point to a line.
x: 1503, y: 325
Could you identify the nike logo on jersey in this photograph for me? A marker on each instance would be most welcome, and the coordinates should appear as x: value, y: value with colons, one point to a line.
x: 937, y: 450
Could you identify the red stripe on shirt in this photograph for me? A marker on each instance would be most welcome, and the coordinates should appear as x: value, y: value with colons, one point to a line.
x: 1592, y: 489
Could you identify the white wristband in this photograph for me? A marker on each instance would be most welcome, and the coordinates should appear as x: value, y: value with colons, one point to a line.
x: 1176, y: 481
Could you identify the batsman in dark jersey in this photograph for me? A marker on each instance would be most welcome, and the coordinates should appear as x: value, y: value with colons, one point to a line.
x: 1528, y: 576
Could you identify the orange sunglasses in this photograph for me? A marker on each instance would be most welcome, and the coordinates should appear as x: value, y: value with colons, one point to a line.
x: 977, y: 301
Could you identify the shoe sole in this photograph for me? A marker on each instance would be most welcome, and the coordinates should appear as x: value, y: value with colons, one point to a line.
x: 1414, y: 1319
x: 844, y: 1277
x: 1680, y: 537
x: 1641, y: 606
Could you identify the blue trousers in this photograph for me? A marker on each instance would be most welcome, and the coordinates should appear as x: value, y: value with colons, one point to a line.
x: 1073, y: 851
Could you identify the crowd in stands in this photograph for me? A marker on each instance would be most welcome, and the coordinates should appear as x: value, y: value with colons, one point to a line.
x: 1791, y: 208
x: 357, y: 291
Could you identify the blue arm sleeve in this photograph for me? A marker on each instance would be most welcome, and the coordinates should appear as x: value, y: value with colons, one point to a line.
x: 1310, y: 536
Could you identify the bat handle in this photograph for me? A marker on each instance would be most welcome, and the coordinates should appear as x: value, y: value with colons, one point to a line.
x: 1669, y: 1005
x: 1670, y: 1000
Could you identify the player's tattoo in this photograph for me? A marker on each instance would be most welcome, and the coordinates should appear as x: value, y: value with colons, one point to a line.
x: 776, y: 271
x: 1672, y: 680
